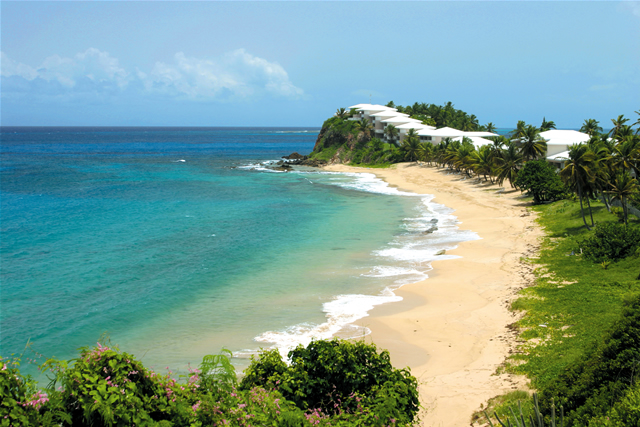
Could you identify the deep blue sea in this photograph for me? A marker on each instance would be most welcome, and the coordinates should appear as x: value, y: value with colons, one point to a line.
x: 177, y: 242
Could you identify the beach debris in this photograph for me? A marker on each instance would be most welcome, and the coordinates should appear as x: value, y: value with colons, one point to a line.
x: 441, y: 252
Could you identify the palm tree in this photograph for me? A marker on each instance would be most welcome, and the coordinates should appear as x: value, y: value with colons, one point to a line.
x: 463, y: 156
x: 490, y: 127
x: 363, y: 126
x: 627, y: 154
x: 545, y: 126
x: 637, y: 123
x: 622, y: 187
x: 617, y: 124
x: 508, y: 163
x: 468, y: 123
x: 411, y: 147
x: 578, y: 174
x: 482, y: 161
x: 391, y: 132
x: 602, y: 156
x: 519, y: 129
x: 342, y: 113
x: 426, y: 152
x: 623, y: 132
x: 532, y: 145
x: 591, y: 127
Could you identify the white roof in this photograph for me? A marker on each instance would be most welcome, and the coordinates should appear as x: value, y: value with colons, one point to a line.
x: 559, y: 157
x: 472, y: 134
x: 388, y: 113
x: 371, y: 107
x: 412, y: 125
x: 399, y: 119
x: 446, y: 131
x: 564, y: 137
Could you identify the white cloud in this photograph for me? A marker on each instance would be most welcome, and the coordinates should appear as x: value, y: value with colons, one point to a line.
x: 91, y: 66
x: 633, y: 6
x: 195, y: 78
x: 9, y: 67
x: 274, y: 77
x: 237, y: 73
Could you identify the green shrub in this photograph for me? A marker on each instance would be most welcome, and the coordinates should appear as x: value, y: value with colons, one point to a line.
x: 611, y: 241
x: 540, y: 180
x: 21, y: 404
x: 105, y: 387
x: 603, y: 376
x: 339, y: 378
x: 624, y: 413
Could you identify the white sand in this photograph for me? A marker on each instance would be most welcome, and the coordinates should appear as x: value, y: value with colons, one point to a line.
x: 451, y: 329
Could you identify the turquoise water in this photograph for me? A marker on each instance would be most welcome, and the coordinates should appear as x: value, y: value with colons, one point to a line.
x: 178, y: 242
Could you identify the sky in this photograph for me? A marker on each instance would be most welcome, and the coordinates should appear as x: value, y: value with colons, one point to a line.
x: 148, y: 63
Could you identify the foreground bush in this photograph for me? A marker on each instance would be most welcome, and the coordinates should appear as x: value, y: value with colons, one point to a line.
x: 540, y: 179
x: 339, y: 377
x: 607, y: 374
x: 611, y: 241
x: 347, y: 384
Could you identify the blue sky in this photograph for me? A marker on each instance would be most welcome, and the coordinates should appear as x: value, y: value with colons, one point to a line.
x: 295, y: 63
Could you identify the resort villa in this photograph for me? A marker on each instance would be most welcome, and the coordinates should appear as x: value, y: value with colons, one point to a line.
x: 558, y: 143
x: 380, y: 116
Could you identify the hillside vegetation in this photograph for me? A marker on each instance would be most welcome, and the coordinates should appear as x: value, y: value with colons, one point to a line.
x: 327, y: 383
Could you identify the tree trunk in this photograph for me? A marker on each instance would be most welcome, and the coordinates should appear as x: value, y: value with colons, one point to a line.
x: 581, y: 207
x: 590, y: 212
x: 604, y: 200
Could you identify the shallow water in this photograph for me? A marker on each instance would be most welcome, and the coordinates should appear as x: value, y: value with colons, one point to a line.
x: 178, y: 242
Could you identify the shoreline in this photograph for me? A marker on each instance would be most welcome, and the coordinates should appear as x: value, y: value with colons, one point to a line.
x: 452, y: 328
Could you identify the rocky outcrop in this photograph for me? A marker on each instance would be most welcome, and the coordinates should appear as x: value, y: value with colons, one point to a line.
x: 295, y: 159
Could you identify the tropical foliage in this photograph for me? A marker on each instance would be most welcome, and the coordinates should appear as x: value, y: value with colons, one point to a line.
x: 441, y: 115
x: 607, y: 166
x: 540, y: 180
x: 335, y: 383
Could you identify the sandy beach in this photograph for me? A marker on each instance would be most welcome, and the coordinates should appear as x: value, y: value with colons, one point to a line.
x: 452, y: 328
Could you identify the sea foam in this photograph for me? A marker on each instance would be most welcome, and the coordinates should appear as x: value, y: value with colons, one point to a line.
x: 404, y: 260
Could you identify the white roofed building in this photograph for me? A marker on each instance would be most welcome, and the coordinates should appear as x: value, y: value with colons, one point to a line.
x: 377, y: 120
x: 365, y: 110
x: 558, y: 143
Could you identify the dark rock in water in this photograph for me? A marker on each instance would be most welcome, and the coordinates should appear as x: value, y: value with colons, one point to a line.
x: 434, y: 220
x: 282, y: 168
x: 431, y: 229
x: 309, y: 162
x: 441, y: 252
x: 305, y: 161
x: 294, y: 156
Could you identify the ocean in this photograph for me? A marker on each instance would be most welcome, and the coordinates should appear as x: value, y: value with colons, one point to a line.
x: 177, y: 242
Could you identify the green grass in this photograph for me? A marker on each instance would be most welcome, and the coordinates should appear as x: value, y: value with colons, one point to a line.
x: 326, y: 154
x: 372, y: 165
x: 574, y: 301
x: 501, y: 404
